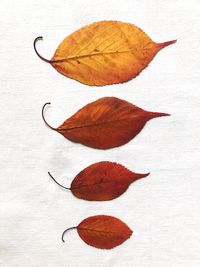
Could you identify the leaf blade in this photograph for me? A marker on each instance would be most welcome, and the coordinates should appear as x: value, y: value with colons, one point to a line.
x: 102, y: 231
x: 105, y: 123
x: 105, y: 52
x: 103, y: 181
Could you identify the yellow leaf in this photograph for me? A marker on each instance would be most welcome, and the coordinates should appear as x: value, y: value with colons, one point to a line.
x: 104, y: 52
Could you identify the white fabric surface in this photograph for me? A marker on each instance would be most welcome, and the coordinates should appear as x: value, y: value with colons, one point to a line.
x: 163, y: 209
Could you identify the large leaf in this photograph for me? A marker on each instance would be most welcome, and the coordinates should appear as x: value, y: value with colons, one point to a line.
x: 105, y: 123
x: 102, y: 231
x: 104, y: 52
x: 102, y: 181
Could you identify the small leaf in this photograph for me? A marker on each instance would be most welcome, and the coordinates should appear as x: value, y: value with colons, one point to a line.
x: 102, y: 231
x: 104, y: 52
x: 102, y: 181
x: 105, y: 123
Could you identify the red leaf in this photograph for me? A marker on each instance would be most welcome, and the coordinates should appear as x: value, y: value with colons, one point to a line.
x: 102, y: 181
x: 105, y: 123
x: 102, y: 231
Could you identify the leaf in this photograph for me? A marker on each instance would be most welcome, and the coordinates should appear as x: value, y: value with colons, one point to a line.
x: 102, y: 231
x: 102, y: 181
x: 104, y: 52
x: 105, y: 123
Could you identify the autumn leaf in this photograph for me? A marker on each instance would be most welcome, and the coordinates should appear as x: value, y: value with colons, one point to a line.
x: 104, y: 52
x: 102, y: 181
x: 105, y: 123
x: 102, y: 231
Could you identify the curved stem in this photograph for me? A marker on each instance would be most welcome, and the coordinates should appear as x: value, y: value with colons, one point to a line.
x: 34, y: 45
x: 57, y: 182
x: 44, y: 117
x: 75, y: 227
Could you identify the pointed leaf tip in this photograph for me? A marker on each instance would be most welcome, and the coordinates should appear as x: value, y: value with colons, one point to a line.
x: 162, y: 45
x: 152, y: 115
x: 142, y: 175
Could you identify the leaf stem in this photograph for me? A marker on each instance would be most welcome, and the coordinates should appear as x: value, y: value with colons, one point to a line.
x: 57, y: 182
x: 48, y: 103
x: 34, y: 45
x: 75, y: 227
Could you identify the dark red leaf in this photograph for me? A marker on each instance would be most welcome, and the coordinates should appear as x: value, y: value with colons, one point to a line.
x: 105, y: 123
x: 102, y: 231
x: 103, y: 181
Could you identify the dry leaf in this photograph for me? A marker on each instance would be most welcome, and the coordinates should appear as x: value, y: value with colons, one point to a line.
x: 104, y: 52
x: 102, y: 181
x: 105, y: 123
x: 102, y: 231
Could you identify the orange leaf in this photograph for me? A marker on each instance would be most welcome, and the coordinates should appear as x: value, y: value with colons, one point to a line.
x: 104, y: 52
x: 105, y: 123
x: 102, y: 181
x: 102, y: 231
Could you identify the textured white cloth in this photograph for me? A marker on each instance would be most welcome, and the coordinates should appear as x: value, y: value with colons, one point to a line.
x: 162, y: 209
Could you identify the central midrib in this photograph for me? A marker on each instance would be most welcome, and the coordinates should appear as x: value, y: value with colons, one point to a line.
x: 93, y: 125
x: 90, y: 55
x: 99, y: 231
x: 86, y: 185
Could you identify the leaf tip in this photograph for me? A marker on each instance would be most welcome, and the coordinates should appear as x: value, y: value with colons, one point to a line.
x: 141, y: 175
x: 152, y: 115
x: 162, y: 45
x: 161, y: 114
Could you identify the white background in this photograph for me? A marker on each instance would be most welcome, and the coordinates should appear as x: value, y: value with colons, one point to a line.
x: 163, y: 209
